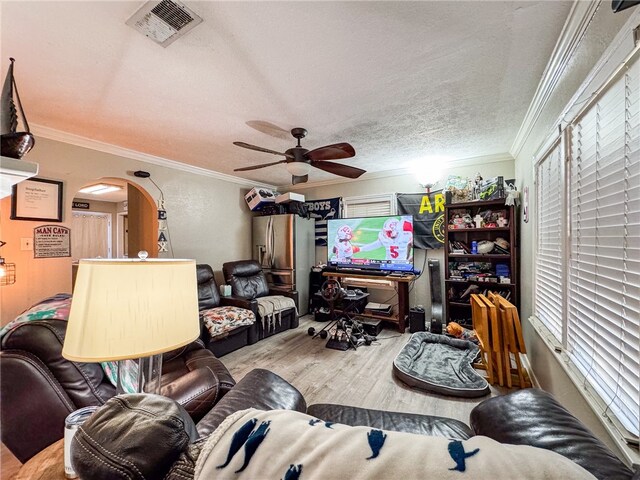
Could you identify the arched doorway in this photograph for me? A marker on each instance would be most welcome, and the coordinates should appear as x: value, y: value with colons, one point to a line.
x: 113, y: 217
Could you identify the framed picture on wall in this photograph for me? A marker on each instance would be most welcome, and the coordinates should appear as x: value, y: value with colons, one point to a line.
x: 37, y: 199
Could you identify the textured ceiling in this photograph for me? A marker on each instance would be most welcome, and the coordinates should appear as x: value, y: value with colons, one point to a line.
x: 400, y: 81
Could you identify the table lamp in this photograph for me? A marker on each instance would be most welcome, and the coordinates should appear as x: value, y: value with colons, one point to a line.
x: 125, y: 309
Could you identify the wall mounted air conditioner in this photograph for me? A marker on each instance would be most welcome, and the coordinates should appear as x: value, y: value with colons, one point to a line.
x: 13, y: 171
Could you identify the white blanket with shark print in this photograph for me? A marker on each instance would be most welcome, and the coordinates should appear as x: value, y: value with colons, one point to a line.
x: 283, y: 444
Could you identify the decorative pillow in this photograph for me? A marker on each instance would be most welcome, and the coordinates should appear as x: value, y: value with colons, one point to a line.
x: 221, y: 320
x: 249, y: 445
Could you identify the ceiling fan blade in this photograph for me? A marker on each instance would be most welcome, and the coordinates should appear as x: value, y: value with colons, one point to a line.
x: 332, y: 152
x: 260, y: 149
x: 255, y: 167
x: 295, y: 179
x: 339, y: 169
x: 269, y: 128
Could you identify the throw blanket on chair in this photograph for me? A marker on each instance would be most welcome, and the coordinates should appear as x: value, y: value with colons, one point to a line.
x: 56, y: 307
x: 289, y: 445
x: 270, y: 309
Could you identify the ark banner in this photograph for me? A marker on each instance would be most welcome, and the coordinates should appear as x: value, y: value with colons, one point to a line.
x: 323, y: 210
x: 428, y: 217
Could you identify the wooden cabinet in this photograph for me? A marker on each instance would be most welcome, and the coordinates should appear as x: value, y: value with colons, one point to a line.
x: 399, y: 284
x: 491, y: 265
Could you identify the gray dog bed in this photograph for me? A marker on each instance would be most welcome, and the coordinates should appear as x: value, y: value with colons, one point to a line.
x: 440, y: 364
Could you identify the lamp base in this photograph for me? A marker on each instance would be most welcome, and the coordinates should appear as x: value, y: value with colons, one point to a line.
x: 140, y: 376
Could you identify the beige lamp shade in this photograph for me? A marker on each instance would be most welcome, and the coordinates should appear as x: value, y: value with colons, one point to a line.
x: 125, y: 309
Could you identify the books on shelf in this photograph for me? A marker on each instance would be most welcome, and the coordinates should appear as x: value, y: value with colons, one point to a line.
x: 458, y: 247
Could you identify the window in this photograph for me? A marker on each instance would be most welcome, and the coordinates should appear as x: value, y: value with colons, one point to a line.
x: 548, y: 260
x: 592, y: 306
x: 369, y: 206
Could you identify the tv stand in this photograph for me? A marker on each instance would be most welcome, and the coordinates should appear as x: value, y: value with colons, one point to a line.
x: 398, y: 283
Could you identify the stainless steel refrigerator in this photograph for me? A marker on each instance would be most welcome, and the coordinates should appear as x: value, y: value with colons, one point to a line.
x: 285, y: 247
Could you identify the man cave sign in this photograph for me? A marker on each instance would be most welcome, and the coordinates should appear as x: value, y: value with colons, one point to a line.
x: 428, y: 217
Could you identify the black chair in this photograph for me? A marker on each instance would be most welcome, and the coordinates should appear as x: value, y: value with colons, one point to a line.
x: 227, y: 311
x: 249, y: 283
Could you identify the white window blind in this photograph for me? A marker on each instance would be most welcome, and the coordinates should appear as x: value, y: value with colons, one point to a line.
x: 369, y: 206
x: 548, y: 261
x: 603, y: 330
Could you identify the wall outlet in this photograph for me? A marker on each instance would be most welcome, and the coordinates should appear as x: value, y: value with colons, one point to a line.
x: 26, y: 243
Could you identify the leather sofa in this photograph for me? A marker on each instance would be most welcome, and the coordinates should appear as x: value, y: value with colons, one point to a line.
x: 526, y: 417
x: 248, y: 282
x: 39, y: 387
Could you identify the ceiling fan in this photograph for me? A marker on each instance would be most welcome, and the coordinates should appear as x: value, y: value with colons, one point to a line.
x: 298, y: 159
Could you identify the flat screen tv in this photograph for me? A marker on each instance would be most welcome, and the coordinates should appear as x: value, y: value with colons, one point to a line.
x: 372, y: 243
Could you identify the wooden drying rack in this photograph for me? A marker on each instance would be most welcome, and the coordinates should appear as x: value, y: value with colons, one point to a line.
x: 497, y: 325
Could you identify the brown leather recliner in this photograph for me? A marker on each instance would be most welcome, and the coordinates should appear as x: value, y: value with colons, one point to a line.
x: 248, y: 282
x: 39, y: 387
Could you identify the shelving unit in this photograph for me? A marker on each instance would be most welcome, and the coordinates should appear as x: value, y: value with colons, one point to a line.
x: 464, y: 269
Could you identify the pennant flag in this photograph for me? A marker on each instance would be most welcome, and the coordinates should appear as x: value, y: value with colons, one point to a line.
x: 323, y: 210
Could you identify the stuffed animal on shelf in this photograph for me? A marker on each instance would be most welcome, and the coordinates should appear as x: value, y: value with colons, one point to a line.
x: 460, y: 332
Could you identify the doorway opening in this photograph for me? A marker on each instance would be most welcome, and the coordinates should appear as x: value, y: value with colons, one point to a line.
x: 127, y: 206
x: 91, y: 236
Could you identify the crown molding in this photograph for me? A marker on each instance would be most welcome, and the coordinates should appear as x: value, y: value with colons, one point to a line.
x: 79, y: 141
x: 574, y: 28
x: 618, y: 53
x: 461, y: 162
x: 612, y: 62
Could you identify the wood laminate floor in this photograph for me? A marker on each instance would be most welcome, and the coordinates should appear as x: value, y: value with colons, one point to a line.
x: 361, y: 377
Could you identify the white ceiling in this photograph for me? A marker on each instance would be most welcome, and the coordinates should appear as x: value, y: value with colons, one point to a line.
x: 400, y: 81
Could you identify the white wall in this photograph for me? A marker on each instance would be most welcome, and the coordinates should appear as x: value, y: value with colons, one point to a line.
x: 550, y: 374
x: 208, y: 219
x: 406, y: 183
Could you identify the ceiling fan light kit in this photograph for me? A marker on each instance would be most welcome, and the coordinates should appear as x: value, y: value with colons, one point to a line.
x: 299, y: 159
x: 298, y: 169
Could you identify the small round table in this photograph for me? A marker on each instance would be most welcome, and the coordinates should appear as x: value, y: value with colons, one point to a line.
x: 46, y: 465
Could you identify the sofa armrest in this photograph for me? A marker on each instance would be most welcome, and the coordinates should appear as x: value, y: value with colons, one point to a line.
x: 259, y: 389
x: 397, y: 421
x: 34, y: 404
x: 235, y: 301
x: 196, y: 391
x: 286, y: 293
x: 293, y: 294
x: 533, y: 417
x: 197, y: 380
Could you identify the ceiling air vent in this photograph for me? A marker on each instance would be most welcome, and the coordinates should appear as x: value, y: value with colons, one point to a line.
x: 164, y: 21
